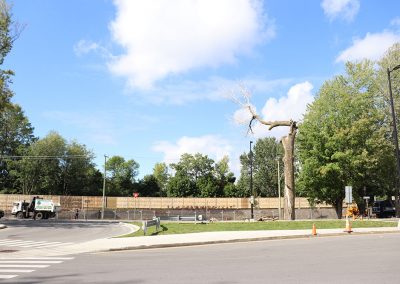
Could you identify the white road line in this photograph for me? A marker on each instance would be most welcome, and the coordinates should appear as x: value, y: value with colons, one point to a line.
x: 30, y: 261
x: 53, y: 245
x: 16, y: 270
x: 23, y: 265
x: 41, y: 244
x: 39, y: 258
x: 19, y: 243
x: 7, y: 276
x: 32, y: 244
x: 16, y: 241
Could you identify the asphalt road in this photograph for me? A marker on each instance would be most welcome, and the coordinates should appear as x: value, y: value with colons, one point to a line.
x: 345, y: 259
x: 59, y: 230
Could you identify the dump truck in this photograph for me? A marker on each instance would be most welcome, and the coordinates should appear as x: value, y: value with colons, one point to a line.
x: 37, y: 209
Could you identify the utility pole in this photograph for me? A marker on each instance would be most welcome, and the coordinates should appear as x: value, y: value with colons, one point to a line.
x: 279, y: 190
x: 396, y: 140
x: 104, y: 188
x: 251, y: 183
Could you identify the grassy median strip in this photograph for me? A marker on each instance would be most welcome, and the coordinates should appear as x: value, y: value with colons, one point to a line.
x: 185, y: 228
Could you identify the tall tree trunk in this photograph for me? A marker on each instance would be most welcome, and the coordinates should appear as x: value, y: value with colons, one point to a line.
x: 288, y: 160
x: 338, y: 204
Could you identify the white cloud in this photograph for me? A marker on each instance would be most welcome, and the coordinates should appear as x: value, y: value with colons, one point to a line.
x: 83, y: 47
x: 212, y: 145
x: 372, y: 47
x: 395, y: 21
x: 212, y: 89
x: 292, y: 106
x: 161, y: 38
x: 346, y: 9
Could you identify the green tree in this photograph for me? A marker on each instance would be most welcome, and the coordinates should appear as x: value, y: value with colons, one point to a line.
x: 344, y: 139
x: 225, y: 179
x: 15, y: 130
x: 16, y: 134
x: 51, y: 165
x: 121, y: 176
x: 148, y: 186
x: 40, y: 173
x: 180, y: 185
x: 194, y: 176
x: 79, y: 175
x: 160, y: 173
x: 266, y: 151
x: 9, y: 32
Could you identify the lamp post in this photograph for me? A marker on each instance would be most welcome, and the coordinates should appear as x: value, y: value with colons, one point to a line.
x: 279, y: 189
x: 87, y: 208
x: 395, y: 138
x: 251, y: 183
x: 104, y: 188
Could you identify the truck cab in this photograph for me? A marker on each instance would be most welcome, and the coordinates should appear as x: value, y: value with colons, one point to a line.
x: 20, y: 209
x: 38, y: 208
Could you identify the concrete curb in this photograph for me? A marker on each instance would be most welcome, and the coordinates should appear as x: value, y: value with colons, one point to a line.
x: 243, y: 240
x: 133, y: 229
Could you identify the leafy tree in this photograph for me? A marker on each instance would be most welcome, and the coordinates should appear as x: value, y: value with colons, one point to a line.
x: 121, y: 175
x: 16, y: 133
x: 197, y: 175
x: 15, y: 129
x: 148, y: 186
x: 9, y: 32
x: 344, y: 139
x: 224, y: 177
x: 79, y: 175
x: 180, y: 185
x: 41, y: 174
x: 266, y: 151
x: 160, y: 173
x: 53, y: 166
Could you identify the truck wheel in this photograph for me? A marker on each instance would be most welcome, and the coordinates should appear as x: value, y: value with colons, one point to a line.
x: 38, y: 216
x: 20, y: 215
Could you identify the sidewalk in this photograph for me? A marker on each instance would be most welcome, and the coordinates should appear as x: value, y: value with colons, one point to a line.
x: 163, y: 241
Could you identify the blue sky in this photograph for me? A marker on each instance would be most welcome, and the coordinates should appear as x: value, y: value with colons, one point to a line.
x: 150, y: 80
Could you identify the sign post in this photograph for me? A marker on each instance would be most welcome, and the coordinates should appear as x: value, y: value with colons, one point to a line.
x: 366, y: 198
x: 135, y: 196
x: 349, y: 194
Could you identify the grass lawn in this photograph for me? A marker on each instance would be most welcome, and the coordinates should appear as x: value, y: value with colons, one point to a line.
x: 185, y: 228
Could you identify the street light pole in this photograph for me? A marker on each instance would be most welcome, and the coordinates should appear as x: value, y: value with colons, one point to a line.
x: 395, y: 138
x: 251, y: 183
x: 104, y: 188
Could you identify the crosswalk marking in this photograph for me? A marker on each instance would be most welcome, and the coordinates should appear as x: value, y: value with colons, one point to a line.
x: 30, y: 261
x: 11, y: 267
x: 16, y: 270
x: 24, y: 265
x: 31, y: 244
x: 40, y: 258
x: 7, y: 276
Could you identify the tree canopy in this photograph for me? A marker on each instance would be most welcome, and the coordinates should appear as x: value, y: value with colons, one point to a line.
x: 266, y: 152
x: 344, y: 139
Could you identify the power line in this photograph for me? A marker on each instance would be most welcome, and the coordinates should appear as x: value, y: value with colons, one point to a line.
x: 8, y: 157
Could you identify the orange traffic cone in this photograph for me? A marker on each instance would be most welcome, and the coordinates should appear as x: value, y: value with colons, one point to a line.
x: 348, y: 226
x: 314, y: 230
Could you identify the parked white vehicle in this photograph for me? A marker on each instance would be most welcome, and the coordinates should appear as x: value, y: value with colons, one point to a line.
x: 38, y: 208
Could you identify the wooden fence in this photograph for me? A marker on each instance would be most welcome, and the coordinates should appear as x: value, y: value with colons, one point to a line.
x: 95, y: 202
